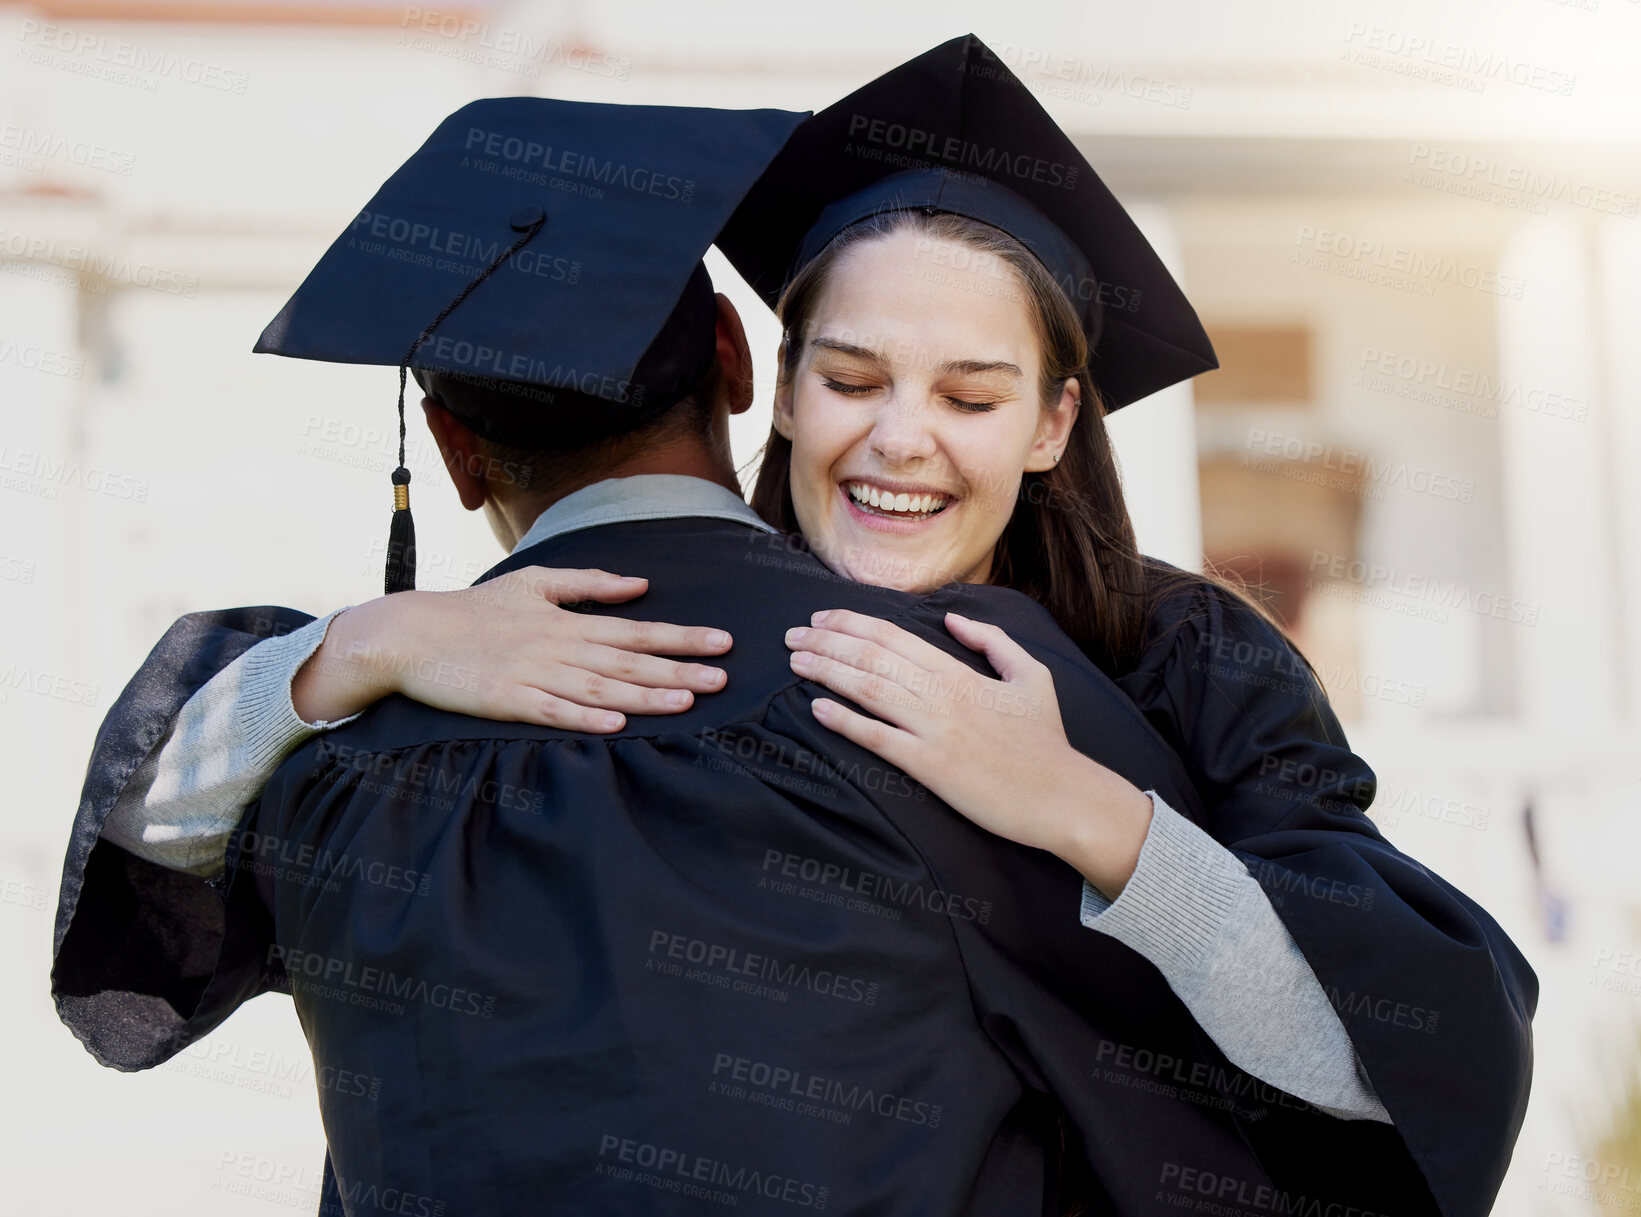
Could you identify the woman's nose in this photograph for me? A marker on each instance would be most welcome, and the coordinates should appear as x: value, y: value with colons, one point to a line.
x: 901, y: 434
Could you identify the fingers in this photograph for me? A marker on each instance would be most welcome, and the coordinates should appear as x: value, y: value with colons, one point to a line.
x: 590, y: 688
x: 579, y: 688
x: 655, y: 637
x: 636, y: 668
x: 886, y: 634
x: 561, y: 585
x: 890, y: 743
x: 878, y: 694
x: 569, y: 586
x: 1008, y: 658
x: 529, y: 705
x: 858, y: 653
x: 579, y: 699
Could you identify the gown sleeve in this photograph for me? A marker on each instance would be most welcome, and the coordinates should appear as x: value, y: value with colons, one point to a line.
x: 1435, y: 997
x: 147, y: 958
x: 182, y: 803
x: 1192, y: 909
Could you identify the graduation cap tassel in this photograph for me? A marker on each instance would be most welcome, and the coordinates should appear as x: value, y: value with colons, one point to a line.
x: 401, y: 533
x: 401, y: 538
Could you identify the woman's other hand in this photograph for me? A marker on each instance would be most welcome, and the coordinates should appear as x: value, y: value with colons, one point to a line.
x: 506, y: 650
x: 995, y: 750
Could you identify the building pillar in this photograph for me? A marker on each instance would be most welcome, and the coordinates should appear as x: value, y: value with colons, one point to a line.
x: 1555, y: 428
x: 1618, y: 270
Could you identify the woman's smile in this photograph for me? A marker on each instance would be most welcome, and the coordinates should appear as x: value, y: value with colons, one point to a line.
x: 884, y: 505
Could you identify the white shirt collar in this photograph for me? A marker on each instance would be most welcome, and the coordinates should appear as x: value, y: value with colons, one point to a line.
x: 644, y: 496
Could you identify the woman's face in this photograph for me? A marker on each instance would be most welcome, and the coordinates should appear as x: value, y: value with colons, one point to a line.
x: 913, y: 411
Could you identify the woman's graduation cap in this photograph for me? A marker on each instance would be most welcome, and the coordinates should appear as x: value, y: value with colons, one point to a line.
x: 955, y: 131
x: 548, y: 248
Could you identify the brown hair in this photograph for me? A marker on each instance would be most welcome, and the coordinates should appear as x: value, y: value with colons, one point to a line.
x: 1069, y: 543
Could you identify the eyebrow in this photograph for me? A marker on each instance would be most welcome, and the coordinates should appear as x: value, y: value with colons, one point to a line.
x: 955, y: 367
x: 973, y: 367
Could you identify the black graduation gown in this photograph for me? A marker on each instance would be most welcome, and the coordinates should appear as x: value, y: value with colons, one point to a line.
x: 1435, y: 996
x: 728, y: 952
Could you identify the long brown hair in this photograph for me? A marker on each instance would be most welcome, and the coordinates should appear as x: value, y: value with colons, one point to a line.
x: 1069, y: 543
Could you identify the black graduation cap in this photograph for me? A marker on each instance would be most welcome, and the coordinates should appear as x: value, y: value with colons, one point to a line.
x: 955, y: 131
x: 549, y: 247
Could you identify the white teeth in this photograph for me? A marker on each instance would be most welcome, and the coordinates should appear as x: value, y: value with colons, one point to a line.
x: 885, y: 500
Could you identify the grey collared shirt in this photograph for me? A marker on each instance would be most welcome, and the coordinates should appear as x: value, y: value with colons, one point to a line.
x: 1190, y: 907
x: 645, y: 496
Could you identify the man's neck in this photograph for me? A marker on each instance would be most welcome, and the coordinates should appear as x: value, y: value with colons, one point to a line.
x: 513, y: 518
x: 690, y: 460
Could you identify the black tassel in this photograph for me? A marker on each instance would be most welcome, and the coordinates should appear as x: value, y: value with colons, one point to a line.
x: 401, y: 534
x: 401, y: 538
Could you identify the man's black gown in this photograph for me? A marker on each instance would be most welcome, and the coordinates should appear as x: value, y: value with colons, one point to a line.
x: 728, y: 959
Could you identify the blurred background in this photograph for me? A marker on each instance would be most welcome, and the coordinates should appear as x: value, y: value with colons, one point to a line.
x: 1411, y: 230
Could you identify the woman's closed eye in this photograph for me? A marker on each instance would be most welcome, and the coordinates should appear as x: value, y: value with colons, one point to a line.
x: 850, y: 389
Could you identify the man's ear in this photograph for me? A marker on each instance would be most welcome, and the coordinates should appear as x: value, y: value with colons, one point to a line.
x: 460, y: 450
x: 734, y: 357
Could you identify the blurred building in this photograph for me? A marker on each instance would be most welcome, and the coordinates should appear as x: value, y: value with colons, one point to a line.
x: 1411, y: 231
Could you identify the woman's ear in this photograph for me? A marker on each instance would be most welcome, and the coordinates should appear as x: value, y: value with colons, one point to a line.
x: 783, y: 395
x: 1054, y: 428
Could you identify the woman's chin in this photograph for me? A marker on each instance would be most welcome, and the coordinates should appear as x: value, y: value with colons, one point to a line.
x: 906, y: 555
x: 889, y: 567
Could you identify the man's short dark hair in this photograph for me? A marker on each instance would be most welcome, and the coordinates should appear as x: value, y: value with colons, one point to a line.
x: 585, y: 435
x: 579, y: 421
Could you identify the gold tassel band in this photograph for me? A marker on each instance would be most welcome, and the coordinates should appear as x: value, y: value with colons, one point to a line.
x: 401, y: 498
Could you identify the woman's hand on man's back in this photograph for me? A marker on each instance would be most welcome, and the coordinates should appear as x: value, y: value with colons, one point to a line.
x: 506, y: 650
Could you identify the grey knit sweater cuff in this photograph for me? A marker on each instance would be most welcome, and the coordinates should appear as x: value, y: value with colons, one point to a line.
x: 1192, y: 909
x: 185, y: 799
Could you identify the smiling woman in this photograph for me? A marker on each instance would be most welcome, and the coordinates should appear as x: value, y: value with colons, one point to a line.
x: 918, y: 318
x: 885, y: 369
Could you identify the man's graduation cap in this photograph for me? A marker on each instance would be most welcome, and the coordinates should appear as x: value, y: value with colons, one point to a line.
x: 547, y: 248
x: 955, y: 131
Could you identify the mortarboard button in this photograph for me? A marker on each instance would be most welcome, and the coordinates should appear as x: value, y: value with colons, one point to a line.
x: 526, y: 217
